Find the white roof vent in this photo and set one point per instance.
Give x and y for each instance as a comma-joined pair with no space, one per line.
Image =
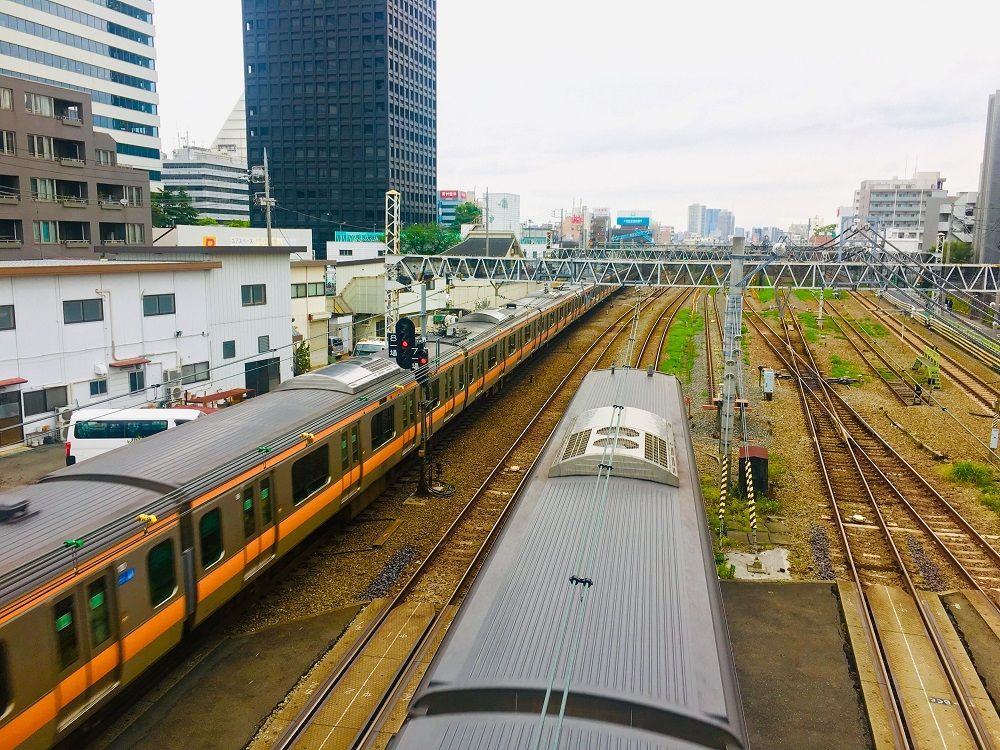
645,448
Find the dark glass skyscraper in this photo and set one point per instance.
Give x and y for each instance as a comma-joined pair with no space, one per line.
343,94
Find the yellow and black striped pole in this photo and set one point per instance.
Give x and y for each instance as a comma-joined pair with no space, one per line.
723,492
751,503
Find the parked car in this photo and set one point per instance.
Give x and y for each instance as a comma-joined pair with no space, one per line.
96,431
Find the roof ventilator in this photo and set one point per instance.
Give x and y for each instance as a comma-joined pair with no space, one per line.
644,450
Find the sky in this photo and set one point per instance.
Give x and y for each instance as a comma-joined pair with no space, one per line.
771,109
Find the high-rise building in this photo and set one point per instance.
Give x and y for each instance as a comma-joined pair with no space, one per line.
899,207
448,201
343,95
711,221
726,225
101,49
232,137
696,220
987,240
215,180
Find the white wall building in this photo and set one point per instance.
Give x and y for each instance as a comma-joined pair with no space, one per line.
900,206
344,250
216,182
103,48
504,211
311,314
232,137
190,235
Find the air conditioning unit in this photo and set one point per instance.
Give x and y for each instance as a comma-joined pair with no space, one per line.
171,376
63,416
176,393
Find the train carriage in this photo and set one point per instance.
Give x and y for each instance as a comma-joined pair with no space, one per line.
108,564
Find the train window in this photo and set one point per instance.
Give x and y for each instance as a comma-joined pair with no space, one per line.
448,384
266,513
6,694
492,358
383,427
309,473
162,575
461,376
249,519
511,345
210,531
97,611
69,649
355,446
345,455
435,392
413,408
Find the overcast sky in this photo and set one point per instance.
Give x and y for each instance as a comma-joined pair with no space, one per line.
770,108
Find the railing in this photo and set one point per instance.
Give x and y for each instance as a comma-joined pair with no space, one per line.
71,161
76,243
9,243
70,120
72,201
112,241
9,198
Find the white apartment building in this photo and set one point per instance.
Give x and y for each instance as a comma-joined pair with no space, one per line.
899,207
103,48
78,333
503,211
956,222
216,181
196,235
311,315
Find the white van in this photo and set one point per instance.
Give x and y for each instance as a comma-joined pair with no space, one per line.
96,431
369,346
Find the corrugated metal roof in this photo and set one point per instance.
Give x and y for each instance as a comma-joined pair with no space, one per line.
518,732
652,630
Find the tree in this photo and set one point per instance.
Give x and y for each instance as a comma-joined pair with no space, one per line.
427,239
827,230
301,359
467,213
206,221
238,223
172,207
957,251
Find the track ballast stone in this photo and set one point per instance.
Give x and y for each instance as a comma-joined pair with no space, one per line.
930,572
390,572
820,544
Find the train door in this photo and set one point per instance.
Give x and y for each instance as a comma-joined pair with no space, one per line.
449,394
350,460
258,526
87,654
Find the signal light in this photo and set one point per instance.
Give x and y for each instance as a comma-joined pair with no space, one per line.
423,360
405,338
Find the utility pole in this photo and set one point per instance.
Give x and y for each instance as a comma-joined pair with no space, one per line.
486,216
267,199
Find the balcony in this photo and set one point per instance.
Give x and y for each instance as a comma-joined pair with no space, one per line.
72,194
74,233
10,234
68,153
10,190
118,197
120,234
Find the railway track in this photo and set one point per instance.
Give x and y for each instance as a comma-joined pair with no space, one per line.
649,356
358,698
976,387
900,384
881,504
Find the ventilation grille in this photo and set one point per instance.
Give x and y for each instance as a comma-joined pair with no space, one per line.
658,452
622,442
622,432
577,444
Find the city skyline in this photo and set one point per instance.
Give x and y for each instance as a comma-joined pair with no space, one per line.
772,141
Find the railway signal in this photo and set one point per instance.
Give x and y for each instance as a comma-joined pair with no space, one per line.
403,343
423,360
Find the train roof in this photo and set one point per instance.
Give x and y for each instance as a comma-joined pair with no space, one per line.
518,732
653,641
98,500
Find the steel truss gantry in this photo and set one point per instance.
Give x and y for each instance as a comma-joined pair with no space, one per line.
664,271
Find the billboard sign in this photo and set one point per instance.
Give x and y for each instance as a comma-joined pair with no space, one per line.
452,195
601,213
633,221
358,237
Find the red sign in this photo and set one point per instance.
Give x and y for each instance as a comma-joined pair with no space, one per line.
451,195
577,219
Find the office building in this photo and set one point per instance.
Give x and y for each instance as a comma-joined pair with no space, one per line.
696,220
215,180
232,136
899,207
987,240
448,201
100,49
343,95
62,193
725,225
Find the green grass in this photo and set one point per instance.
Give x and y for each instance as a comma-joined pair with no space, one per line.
680,353
765,295
805,295
842,368
972,473
873,329
960,306
808,321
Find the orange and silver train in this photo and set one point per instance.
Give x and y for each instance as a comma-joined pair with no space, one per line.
105,566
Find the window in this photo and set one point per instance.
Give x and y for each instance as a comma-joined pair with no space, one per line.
46,232
345,455
98,387
228,349
263,344
298,291
195,373
6,102
7,142
43,189
6,324
210,534
310,473
158,304
69,648
118,429
162,575
97,612
254,294
491,361
82,310
105,158
137,381
47,399
317,290
383,426
133,194
40,146
135,234
5,691
249,522
37,104
511,345
266,513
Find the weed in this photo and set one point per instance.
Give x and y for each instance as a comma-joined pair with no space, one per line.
970,472
765,295
726,572
873,329
805,295
991,501
768,507
842,368
680,351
